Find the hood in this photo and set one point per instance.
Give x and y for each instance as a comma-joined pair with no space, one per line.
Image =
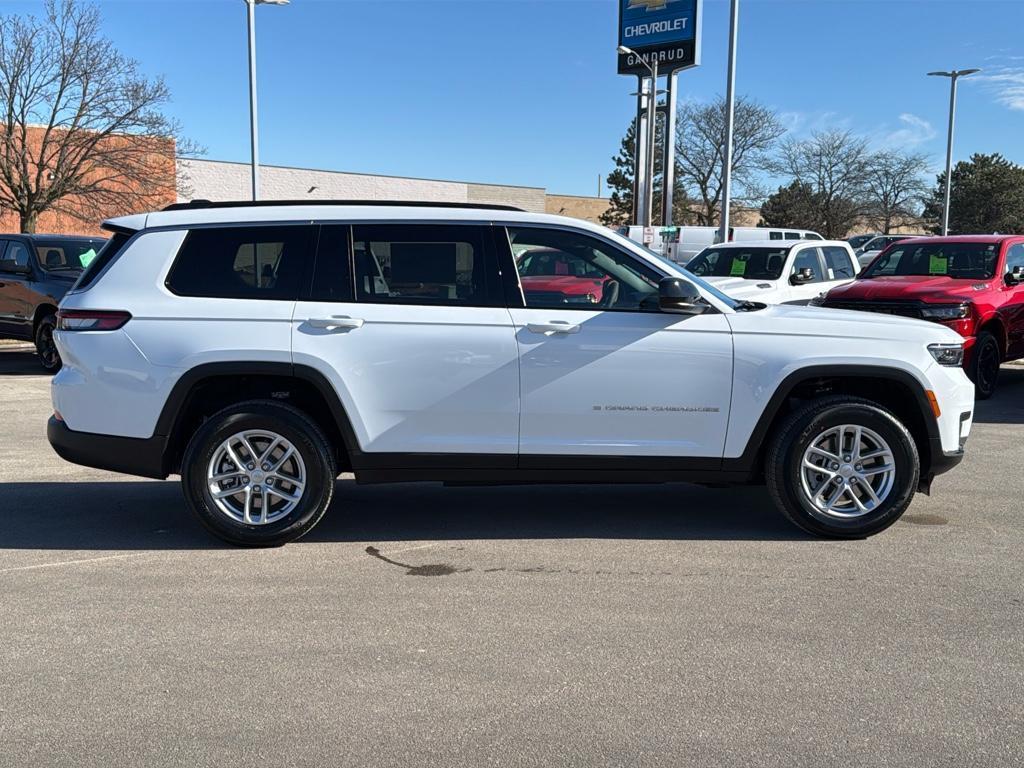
841,324
742,288
934,289
567,284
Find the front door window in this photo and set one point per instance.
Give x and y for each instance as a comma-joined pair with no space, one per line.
566,270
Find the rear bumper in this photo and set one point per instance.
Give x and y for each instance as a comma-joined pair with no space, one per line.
129,455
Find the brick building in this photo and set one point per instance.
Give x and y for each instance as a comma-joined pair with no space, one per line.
151,183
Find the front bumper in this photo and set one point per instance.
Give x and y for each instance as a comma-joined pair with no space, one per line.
129,455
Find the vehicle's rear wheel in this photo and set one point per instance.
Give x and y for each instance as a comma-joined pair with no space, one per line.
842,467
49,357
258,474
984,370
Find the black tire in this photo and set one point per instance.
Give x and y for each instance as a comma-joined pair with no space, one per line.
984,370
45,347
284,420
783,466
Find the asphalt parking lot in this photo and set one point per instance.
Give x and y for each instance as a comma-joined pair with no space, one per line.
421,625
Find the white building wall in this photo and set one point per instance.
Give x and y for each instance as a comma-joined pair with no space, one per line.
219,180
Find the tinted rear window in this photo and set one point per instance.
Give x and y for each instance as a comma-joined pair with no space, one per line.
110,251
242,262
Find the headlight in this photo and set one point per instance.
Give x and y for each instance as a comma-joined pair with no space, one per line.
951,355
946,312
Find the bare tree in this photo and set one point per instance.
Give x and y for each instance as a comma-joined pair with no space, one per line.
895,189
700,152
834,166
81,130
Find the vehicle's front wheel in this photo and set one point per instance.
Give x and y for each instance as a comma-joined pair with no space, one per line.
984,370
45,346
843,467
258,474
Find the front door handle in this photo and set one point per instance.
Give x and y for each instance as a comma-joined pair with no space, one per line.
554,326
338,322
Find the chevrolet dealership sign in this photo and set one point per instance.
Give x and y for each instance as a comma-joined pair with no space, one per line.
664,29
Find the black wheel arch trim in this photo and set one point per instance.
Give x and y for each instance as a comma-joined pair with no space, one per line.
749,459
170,416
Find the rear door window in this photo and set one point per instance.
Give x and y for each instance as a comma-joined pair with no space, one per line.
242,262
443,265
792,235
838,263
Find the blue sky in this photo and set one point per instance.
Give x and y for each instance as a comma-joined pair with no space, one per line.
525,91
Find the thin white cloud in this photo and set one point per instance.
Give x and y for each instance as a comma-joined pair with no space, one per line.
912,132
1006,84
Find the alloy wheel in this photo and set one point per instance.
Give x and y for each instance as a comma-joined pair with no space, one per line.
847,472
256,477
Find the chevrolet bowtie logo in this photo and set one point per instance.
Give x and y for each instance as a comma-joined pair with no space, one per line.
650,5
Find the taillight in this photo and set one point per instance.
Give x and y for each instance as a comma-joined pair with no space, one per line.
91,320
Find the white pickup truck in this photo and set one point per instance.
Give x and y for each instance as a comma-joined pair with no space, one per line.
791,272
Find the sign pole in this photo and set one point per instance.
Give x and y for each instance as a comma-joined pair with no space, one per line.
652,143
669,171
639,153
656,34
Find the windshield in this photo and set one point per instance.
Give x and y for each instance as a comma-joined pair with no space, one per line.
959,261
56,255
747,263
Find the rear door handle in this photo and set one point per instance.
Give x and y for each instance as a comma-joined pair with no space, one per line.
554,326
338,322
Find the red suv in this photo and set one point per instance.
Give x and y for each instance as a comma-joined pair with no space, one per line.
973,284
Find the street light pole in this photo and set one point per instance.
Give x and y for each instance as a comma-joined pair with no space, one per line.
250,9
730,111
953,76
652,116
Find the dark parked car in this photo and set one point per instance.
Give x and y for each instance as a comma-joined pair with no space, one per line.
35,273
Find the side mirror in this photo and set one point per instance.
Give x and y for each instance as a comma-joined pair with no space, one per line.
680,297
15,269
1015,276
804,276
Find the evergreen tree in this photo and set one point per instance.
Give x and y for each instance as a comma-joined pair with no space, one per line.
987,197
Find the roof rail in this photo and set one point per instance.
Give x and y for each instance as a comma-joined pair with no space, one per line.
199,204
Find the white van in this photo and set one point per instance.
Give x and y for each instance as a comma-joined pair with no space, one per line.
647,236
686,242
745,234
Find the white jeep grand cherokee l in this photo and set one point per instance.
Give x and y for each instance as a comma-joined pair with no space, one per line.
259,350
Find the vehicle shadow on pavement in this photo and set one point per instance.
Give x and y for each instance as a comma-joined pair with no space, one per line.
19,361
1007,405
151,515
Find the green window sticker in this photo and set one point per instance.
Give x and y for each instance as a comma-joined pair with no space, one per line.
738,268
938,264
87,257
